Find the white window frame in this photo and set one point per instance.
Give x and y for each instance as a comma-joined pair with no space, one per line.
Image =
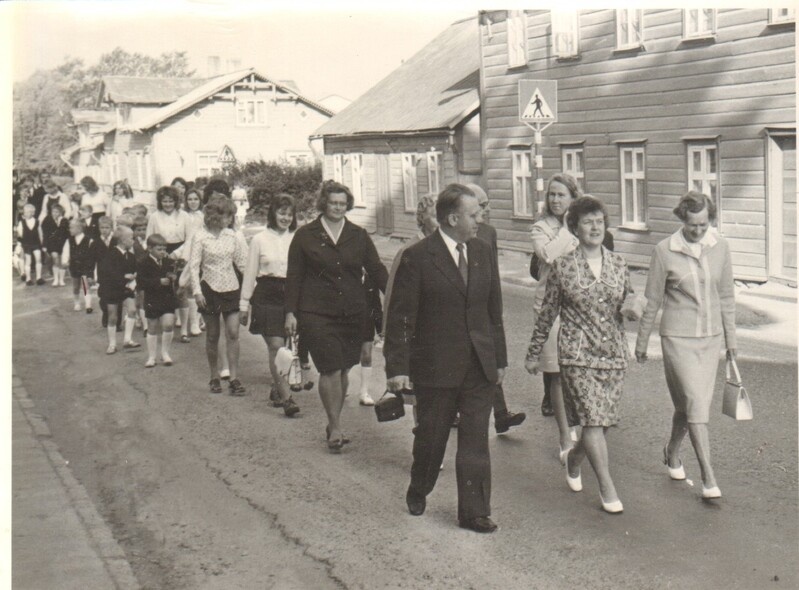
213,164
569,155
114,157
565,33
338,167
356,162
702,31
778,16
522,181
635,219
409,181
258,114
700,180
629,28
517,38
434,172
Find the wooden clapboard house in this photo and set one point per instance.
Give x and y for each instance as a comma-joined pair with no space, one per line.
411,134
165,128
651,103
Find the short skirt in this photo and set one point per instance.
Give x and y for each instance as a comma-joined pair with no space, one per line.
333,341
225,302
268,305
591,396
691,365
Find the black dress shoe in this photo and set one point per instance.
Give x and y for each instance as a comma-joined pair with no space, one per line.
503,422
546,406
478,524
416,505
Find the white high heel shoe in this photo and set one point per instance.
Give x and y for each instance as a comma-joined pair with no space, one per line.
711,493
611,507
675,473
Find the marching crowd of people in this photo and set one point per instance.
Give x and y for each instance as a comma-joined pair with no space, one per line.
314,288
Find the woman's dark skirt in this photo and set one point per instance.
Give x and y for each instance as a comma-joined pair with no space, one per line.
268,304
333,341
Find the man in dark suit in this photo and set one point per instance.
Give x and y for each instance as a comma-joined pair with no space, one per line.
503,418
445,339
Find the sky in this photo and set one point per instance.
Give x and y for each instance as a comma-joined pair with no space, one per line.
342,51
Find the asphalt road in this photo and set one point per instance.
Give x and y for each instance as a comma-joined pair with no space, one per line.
209,491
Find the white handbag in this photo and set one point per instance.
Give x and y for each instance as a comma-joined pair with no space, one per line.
736,403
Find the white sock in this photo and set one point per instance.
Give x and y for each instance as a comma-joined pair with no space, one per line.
152,346
143,319
183,314
166,341
38,270
88,299
130,323
366,375
62,273
112,335
194,317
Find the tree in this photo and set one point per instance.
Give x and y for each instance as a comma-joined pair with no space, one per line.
42,103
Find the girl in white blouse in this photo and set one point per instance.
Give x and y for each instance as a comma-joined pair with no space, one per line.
264,284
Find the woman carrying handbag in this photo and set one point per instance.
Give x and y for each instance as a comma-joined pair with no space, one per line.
690,275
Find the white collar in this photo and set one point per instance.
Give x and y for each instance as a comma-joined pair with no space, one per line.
121,249
330,231
678,243
452,246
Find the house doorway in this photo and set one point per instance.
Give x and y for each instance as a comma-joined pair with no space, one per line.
782,205
384,207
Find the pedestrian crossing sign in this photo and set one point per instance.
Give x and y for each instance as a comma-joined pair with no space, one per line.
538,101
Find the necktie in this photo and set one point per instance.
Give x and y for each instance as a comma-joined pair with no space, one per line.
463,268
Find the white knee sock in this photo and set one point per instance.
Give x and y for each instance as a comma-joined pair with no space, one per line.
152,346
166,341
88,299
130,323
112,335
194,317
366,375
38,270
143,319
183,314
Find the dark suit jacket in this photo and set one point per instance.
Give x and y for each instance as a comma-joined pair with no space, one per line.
434,321
326,278
489,235
148,278
111,273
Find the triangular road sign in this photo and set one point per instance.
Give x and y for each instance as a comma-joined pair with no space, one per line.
537,108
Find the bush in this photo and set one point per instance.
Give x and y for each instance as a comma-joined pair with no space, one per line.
266,179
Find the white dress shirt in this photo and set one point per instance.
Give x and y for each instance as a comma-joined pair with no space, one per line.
452,246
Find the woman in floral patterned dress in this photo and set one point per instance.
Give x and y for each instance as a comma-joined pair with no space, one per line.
587,287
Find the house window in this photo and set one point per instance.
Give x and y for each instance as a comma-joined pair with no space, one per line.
338,167
250,112
357,179
517,38
572,162
703,169
632,158
434,172
781,15
114,166
565,33
208,164
409,185
629,28
522,183
699,23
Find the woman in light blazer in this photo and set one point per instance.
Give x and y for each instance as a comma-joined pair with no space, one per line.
690,275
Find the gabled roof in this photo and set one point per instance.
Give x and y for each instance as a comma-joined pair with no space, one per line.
435,89
136,90
208,89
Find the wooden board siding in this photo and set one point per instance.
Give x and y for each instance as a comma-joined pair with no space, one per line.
470,156
727,90
210,125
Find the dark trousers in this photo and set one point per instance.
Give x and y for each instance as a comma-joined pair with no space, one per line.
500,407
436,408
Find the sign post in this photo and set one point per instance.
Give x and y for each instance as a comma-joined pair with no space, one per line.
538,109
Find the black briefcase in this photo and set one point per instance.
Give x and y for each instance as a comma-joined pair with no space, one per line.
389,407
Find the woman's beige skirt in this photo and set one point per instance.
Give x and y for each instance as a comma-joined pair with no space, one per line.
691,365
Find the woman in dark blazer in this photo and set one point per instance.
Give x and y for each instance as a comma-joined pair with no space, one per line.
325,295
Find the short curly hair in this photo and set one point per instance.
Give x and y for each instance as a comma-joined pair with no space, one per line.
423,206
216,208
582,206
166,192
330,187
89,184
695,202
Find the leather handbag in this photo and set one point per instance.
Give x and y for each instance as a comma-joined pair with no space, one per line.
288,364
736,403
389,408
